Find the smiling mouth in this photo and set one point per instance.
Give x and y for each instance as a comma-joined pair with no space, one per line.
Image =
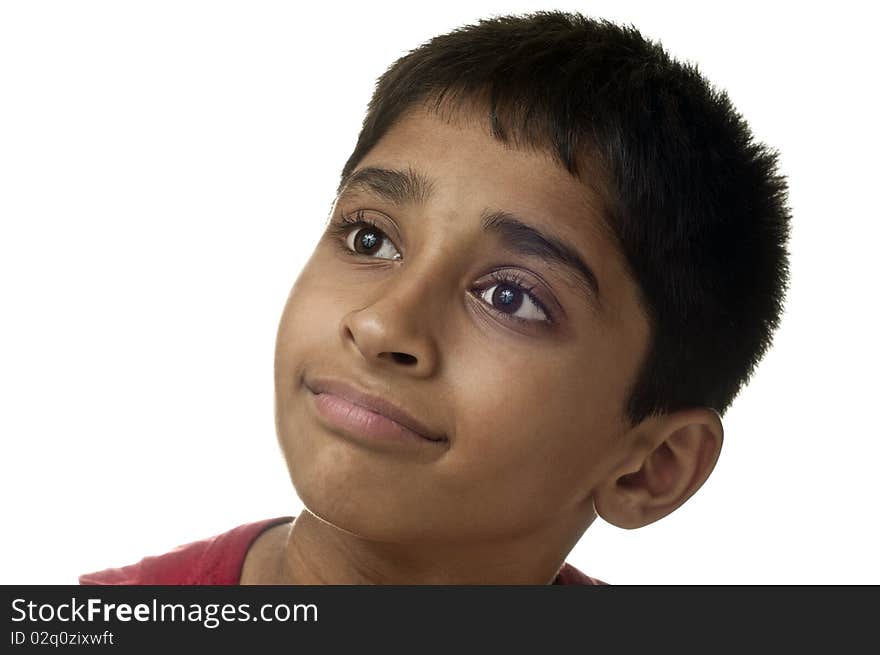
347,409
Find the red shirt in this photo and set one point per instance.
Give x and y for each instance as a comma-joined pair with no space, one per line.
219,560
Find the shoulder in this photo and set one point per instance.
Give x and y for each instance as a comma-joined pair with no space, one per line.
216,560
569,575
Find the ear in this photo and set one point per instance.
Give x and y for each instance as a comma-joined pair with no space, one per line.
667,458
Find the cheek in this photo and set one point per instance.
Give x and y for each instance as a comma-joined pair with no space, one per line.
309,321
307,327
529,438
529,444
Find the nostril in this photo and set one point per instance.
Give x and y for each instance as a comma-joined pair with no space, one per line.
403,358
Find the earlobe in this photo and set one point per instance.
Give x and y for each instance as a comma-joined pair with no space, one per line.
669,458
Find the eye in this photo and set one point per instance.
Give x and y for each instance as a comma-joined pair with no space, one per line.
512,297
363,237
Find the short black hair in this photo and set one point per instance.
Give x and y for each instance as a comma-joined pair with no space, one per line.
697,207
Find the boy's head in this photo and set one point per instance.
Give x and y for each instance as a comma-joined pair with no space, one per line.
562,253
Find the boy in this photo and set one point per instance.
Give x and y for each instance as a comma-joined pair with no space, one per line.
555,257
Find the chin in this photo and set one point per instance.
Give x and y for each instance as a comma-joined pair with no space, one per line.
341,499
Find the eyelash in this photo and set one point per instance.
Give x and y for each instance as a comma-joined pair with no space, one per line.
343,226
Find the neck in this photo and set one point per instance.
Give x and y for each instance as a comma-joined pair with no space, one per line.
318,553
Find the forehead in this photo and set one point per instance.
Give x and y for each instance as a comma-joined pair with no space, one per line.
464,156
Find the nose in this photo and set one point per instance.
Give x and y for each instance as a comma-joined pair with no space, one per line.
398,329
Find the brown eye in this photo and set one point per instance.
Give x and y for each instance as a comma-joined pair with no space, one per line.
368,240
506,298
511,296
514,302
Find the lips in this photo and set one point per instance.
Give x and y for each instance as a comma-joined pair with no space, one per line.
373,403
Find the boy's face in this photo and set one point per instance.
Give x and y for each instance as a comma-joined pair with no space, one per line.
532,412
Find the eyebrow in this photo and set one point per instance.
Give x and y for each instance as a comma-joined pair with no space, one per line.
398,187
411,187
524,239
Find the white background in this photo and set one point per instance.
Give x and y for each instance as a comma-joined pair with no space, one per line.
165,169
